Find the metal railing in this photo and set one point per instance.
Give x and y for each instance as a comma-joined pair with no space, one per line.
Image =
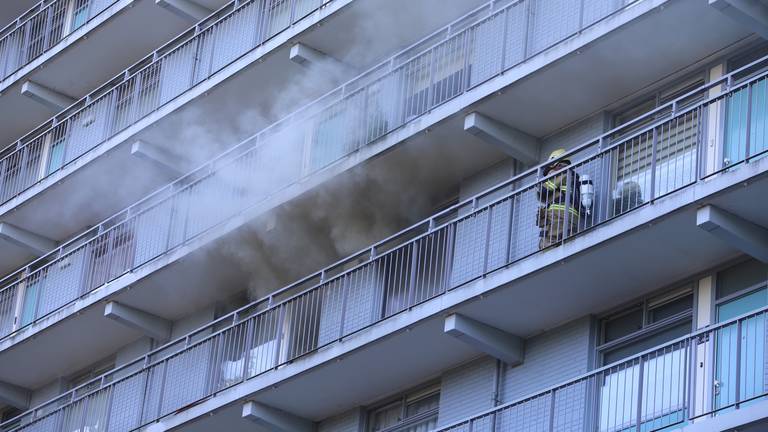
654,155
708,372
360,112
42,27
178,66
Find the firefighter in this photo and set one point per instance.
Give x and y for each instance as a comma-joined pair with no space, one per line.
554,194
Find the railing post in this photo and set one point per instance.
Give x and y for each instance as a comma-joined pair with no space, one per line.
279,333
48,27
639,414
143,402
487,241
654,146
504,37
527,29
293,12
414,269
693,346
108,405
551,420
161,388
749,124
344,298
569,191
250,327
737,389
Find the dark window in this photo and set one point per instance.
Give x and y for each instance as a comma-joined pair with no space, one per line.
648,323
413,412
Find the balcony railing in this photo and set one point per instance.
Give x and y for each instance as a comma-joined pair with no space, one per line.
42,27
191,58
453,60
709,372
652,156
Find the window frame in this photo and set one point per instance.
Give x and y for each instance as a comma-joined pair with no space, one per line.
648,329
405,399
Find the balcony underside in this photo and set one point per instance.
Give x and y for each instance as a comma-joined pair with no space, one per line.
78,65
234,105
515,299
12,10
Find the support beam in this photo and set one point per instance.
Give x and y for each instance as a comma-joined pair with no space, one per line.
151,325
187,9
35,243
177,165
737,232
516,144
308,56
490,340
275,420
53,100
14,396
752,14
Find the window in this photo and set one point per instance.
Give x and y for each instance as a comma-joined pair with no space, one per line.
648,323
640,327
676,141
79,14
741,289
741,105
413,412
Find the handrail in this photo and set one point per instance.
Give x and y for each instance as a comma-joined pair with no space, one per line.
447,234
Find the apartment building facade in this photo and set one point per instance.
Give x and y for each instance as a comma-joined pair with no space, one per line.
328,215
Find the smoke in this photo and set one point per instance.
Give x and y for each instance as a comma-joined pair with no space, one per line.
352,211
355,209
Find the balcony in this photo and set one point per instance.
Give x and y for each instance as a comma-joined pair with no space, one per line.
202,78
42,53
482,258
664,388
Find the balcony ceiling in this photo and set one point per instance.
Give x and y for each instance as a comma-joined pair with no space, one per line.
12,10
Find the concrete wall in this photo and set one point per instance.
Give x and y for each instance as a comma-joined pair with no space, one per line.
467,390
550,358
575,134
350,421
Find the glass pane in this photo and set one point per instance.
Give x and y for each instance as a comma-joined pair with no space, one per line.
737,117
422,405
742,305
649,342
624,325
740,277
56,158
748,368
662,402
670,309
386,417
30,302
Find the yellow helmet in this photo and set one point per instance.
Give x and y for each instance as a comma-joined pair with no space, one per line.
557,153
